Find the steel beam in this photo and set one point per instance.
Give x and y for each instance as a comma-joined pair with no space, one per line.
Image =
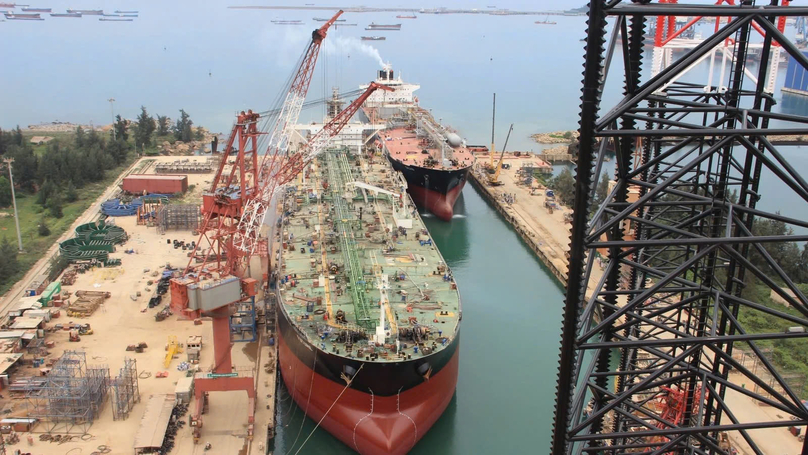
671,309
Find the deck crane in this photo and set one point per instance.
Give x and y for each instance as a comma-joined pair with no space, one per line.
493,180
216,280
225,290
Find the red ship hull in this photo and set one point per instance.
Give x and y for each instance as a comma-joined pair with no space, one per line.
441,205
369,424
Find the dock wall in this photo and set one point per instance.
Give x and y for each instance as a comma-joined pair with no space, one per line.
532,238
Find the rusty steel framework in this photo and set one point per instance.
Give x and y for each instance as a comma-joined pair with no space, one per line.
646,361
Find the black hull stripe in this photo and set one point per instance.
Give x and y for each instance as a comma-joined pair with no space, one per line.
384,378
431,179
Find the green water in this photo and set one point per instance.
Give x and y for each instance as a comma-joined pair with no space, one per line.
508,350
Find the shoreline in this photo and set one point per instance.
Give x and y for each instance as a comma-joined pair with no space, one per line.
551,253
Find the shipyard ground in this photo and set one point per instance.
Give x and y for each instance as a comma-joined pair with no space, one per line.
548,235
121,321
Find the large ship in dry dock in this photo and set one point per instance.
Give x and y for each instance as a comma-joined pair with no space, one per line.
369,313
432,157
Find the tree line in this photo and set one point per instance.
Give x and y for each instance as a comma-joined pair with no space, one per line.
65,166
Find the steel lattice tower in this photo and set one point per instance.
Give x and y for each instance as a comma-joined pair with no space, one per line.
656,347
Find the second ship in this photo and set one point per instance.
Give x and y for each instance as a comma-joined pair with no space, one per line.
432,157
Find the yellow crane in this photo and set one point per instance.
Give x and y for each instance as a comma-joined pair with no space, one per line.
493,180
172,349
493,123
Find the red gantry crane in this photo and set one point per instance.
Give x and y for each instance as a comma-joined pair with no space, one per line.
216,277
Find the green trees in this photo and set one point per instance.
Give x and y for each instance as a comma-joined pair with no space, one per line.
183,130
71,195
43,228
564,186
144,130
55,205
9,265
162,125
121,128
5,192
199,133
25,165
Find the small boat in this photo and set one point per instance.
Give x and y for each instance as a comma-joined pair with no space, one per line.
125,12
65,14
406,17
374,38
8,5
87,12
546,21
36,10
110,19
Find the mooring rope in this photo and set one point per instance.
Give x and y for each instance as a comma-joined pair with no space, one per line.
329,408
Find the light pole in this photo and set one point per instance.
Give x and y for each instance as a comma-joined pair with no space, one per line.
8,162
112,112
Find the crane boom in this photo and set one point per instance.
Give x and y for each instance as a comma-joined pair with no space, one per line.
286,169
494,180
281,132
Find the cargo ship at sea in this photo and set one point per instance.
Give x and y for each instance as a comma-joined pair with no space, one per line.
87,12
373,38
374,26
368,311
432,157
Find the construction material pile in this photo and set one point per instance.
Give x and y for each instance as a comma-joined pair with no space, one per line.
69,277
86,303
94,241
115,207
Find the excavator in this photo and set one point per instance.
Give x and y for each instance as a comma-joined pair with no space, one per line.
493,179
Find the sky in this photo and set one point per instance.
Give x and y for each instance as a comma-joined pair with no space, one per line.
197,55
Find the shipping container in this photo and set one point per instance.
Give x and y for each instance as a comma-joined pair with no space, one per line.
796,77
155,183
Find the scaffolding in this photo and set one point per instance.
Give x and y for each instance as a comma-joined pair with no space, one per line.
178,216
661,322
71,396
243,321
125,390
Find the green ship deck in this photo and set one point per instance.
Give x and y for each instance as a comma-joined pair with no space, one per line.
360,275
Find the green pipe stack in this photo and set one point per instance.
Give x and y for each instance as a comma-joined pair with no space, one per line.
93,240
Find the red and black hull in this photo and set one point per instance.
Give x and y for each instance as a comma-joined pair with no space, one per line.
433,189
388,406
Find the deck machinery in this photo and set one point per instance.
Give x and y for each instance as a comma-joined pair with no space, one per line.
656,344
217,279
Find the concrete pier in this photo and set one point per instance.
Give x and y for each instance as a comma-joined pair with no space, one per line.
545,233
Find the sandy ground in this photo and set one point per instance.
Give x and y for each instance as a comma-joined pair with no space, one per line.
122,321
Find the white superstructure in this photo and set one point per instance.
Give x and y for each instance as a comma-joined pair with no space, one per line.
403,94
